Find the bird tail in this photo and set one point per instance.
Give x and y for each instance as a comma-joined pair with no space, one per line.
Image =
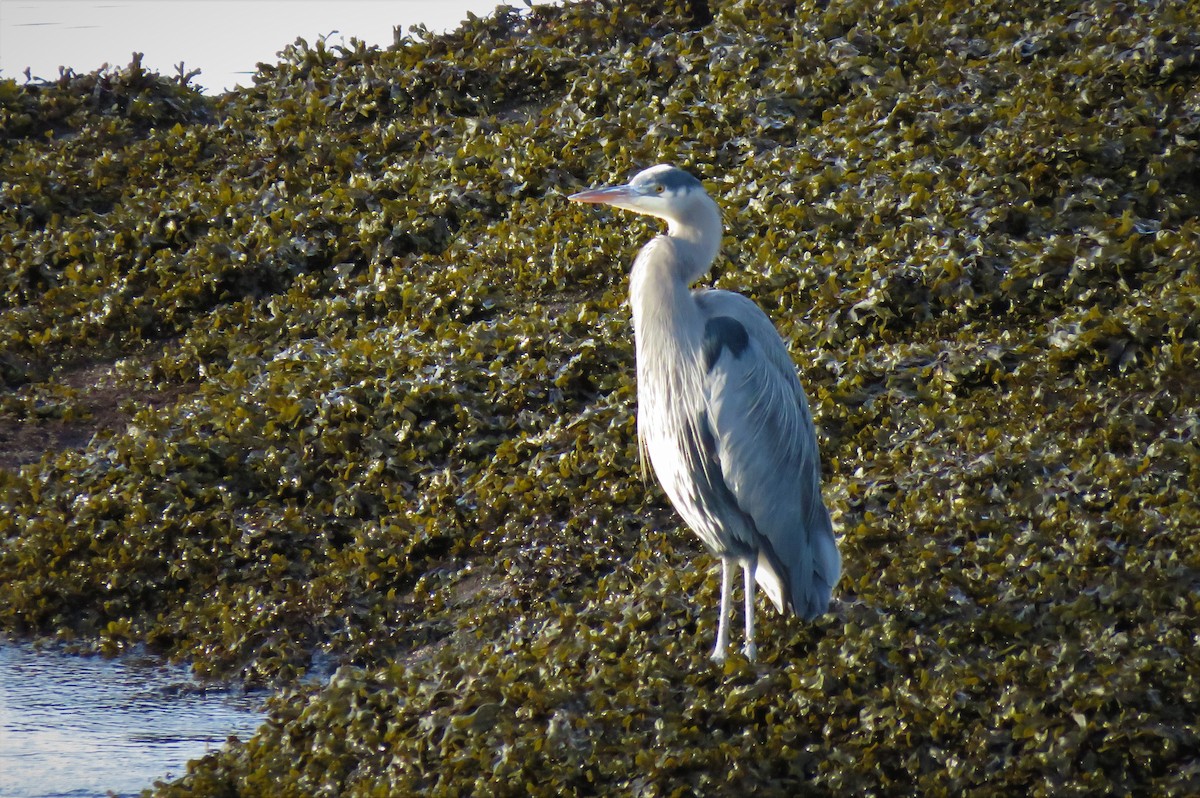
814,590
807,589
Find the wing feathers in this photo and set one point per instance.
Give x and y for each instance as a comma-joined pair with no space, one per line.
723,333
759,424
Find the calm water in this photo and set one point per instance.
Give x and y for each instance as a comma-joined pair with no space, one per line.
222,38
84,726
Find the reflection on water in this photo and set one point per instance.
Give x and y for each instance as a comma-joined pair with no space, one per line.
84,726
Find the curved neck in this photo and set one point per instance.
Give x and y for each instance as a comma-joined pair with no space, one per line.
697,240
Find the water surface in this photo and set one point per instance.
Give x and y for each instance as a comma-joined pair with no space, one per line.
83,726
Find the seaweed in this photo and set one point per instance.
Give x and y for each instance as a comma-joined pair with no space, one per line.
335,383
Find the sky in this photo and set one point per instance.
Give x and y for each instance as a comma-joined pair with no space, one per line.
222,38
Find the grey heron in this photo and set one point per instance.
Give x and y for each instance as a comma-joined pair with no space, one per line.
721,412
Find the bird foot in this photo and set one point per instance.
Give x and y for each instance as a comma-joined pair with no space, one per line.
749,650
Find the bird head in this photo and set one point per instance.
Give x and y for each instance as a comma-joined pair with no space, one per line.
662,191
693,219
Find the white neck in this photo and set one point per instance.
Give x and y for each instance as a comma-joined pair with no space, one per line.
699,241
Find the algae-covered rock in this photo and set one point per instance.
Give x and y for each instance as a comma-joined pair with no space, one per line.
357,388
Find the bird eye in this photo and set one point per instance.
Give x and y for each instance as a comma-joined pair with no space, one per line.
660,188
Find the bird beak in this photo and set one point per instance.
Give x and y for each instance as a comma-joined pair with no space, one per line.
608,195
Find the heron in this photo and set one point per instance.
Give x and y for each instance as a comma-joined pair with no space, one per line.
721,413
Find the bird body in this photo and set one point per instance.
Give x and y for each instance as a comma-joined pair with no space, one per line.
721,412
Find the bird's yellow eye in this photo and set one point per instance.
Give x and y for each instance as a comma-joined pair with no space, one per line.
660,188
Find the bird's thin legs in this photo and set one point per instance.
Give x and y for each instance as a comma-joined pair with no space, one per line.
718,654
750,649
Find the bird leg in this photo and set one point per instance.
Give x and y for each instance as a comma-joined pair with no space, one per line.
718,654
748,569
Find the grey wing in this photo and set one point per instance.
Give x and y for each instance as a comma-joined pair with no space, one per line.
766,447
